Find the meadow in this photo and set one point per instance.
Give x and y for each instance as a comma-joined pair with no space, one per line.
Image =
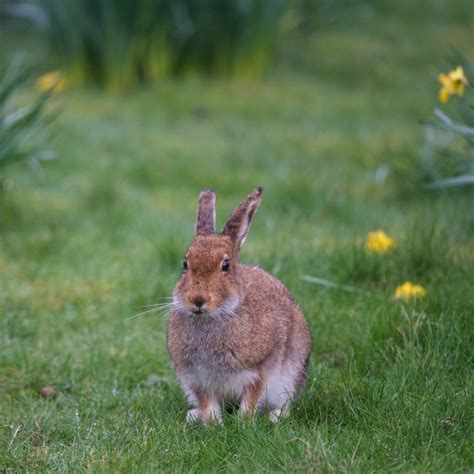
99,233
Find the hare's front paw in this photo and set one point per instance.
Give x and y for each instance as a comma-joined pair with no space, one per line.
194,415
213,416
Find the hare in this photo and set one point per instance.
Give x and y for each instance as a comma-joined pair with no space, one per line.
235,334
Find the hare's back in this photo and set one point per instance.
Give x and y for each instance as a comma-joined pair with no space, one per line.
264,289
268,300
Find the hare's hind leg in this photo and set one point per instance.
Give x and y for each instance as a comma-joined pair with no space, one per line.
277,413
289,377
281,388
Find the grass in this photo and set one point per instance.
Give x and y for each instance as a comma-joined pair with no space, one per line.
101,232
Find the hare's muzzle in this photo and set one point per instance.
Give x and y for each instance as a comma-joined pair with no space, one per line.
198,305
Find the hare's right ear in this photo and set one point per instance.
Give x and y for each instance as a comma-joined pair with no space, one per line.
237,227
206,213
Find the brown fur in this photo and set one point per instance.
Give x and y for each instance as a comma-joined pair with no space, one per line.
249,327
251,394
206,217
204,276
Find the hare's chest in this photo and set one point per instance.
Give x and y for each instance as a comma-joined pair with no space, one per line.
210,359
211,365
206,348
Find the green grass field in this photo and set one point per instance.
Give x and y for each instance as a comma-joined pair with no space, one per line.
101,232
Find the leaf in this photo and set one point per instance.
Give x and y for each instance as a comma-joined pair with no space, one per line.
328,283
452,182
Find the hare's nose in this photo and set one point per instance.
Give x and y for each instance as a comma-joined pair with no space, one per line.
198,302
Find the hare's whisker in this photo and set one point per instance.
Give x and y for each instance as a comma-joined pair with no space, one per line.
232,314
155,304
152,310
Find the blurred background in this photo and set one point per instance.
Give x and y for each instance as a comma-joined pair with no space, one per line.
356,116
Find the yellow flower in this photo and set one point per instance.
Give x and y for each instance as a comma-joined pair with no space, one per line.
452,83
51,80
409,290
378,242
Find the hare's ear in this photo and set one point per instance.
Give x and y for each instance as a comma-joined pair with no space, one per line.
206,213
237,227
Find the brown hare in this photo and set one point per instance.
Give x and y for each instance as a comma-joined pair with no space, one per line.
235,334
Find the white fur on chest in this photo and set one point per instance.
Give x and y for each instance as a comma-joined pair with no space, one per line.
228,385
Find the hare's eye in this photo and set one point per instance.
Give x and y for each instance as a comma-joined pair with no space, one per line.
225,265
185,263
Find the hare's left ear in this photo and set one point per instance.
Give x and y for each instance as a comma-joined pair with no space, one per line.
206,213
237,227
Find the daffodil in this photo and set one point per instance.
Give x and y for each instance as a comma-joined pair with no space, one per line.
452,83
408,291
378,242
51,80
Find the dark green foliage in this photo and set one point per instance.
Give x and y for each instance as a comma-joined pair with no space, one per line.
20,126
119,44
